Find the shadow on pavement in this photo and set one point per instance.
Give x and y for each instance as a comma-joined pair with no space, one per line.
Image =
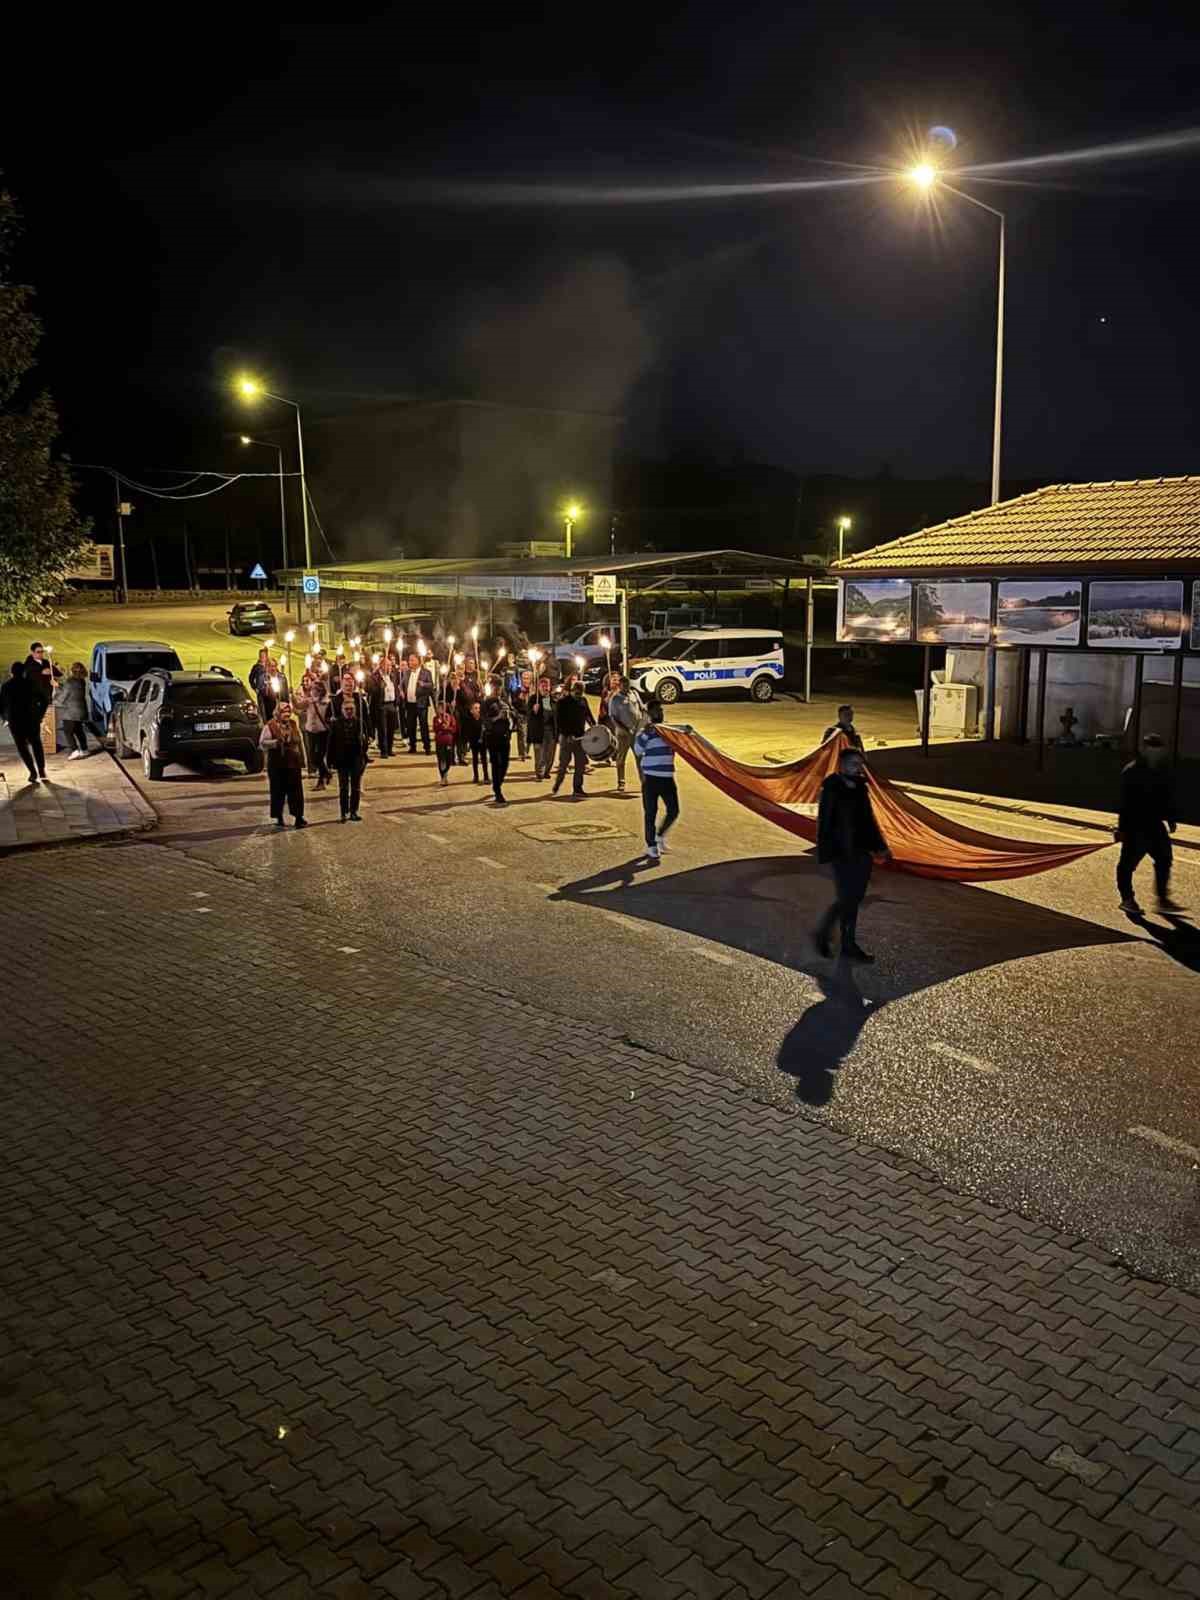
923,932
1180,939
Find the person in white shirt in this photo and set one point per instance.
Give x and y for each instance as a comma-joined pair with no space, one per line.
417,689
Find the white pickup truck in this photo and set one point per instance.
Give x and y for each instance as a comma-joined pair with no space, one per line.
585,641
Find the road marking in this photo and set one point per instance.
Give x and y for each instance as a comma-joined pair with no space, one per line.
632,925
712,955
550,888
200,909
348,950
488,862
438,838
199,894
1177,1147
976,1062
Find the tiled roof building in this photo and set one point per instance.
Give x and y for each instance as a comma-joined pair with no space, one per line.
1149,524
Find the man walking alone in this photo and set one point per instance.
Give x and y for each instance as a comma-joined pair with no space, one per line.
1145,823
848,838
656,760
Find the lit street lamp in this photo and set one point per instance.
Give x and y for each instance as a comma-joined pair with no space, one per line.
251,389
571,515
925,177
843,528
278,449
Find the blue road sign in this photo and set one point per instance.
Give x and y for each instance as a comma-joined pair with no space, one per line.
257,572
312,583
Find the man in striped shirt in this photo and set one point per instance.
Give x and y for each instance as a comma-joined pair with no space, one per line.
656,760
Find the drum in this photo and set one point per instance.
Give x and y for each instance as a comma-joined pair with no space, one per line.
598,743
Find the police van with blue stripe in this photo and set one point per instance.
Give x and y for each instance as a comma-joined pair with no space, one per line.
712,657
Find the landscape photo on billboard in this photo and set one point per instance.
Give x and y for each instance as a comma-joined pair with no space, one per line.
1044,611
876,608
954,612
1135,614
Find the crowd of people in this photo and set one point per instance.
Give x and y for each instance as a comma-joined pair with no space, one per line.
31,688
346,713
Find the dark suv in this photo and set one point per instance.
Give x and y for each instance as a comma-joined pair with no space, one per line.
251,616
187,716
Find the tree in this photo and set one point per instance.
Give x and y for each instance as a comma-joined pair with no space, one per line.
41,535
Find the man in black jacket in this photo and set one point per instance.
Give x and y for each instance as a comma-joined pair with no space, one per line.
574,718
848,837
1145,823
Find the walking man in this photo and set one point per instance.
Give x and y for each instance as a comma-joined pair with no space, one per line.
627,713
574,719
388,707
543,730
348,752
656,762
848,838
844,724
497,733
18,707
418,692
1145,823
285,764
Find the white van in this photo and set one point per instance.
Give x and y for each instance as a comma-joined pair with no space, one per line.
712,658
118,664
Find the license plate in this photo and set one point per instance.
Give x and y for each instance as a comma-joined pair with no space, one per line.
212,727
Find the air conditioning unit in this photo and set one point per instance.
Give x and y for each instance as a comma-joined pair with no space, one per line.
953,710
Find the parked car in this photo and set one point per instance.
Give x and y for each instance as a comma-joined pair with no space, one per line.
118,664
251,616
187,716
712,658
585,641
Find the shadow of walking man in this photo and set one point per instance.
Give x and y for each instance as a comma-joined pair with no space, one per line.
825,1035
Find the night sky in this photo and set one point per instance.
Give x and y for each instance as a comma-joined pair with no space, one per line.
305,201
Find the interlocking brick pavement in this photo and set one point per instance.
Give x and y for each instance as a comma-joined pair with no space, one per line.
382,1284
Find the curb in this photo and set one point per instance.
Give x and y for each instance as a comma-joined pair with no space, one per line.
148,823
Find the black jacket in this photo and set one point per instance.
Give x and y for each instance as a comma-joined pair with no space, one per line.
541,717
846,826
574,717
347,737
17,705
1147,797
498,730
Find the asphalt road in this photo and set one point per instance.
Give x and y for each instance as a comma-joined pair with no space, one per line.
1024,1041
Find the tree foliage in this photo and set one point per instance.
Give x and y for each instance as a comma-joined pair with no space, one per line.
41,535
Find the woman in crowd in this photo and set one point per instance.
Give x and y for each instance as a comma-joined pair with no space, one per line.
520,689
314,722
348,749
71,699
282,741
445,738
543,730
466,693
475,741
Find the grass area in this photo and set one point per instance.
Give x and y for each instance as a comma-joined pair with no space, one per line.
198,632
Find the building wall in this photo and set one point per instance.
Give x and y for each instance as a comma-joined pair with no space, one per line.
1098,688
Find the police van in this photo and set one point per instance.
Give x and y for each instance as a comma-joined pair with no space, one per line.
712,657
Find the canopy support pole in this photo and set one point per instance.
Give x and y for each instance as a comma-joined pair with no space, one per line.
808,640
1176,706
926,700
1043,654
989,693
1023,707
1135,721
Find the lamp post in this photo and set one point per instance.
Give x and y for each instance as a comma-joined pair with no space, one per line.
843,528
925,177
571,514
251,389
278,449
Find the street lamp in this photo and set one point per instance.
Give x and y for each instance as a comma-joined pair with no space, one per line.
843,528
571,514
251,389
925,177
278,449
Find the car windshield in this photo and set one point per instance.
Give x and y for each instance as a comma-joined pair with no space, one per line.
207,694
255,611
677,649
123,666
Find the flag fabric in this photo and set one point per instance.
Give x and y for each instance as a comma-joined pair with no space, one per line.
922,841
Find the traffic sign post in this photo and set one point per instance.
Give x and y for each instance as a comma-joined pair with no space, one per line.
604,588
258,574
311,584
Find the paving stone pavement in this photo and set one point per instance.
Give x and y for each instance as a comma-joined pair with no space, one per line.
83,800
376,1284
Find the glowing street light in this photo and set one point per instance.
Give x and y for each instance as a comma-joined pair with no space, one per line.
572,512
251,389
923,175
843,528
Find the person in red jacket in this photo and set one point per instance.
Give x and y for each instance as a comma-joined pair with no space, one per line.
445,738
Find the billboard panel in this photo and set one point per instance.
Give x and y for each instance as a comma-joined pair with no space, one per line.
1135,614
1039,611
954,611
878,609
